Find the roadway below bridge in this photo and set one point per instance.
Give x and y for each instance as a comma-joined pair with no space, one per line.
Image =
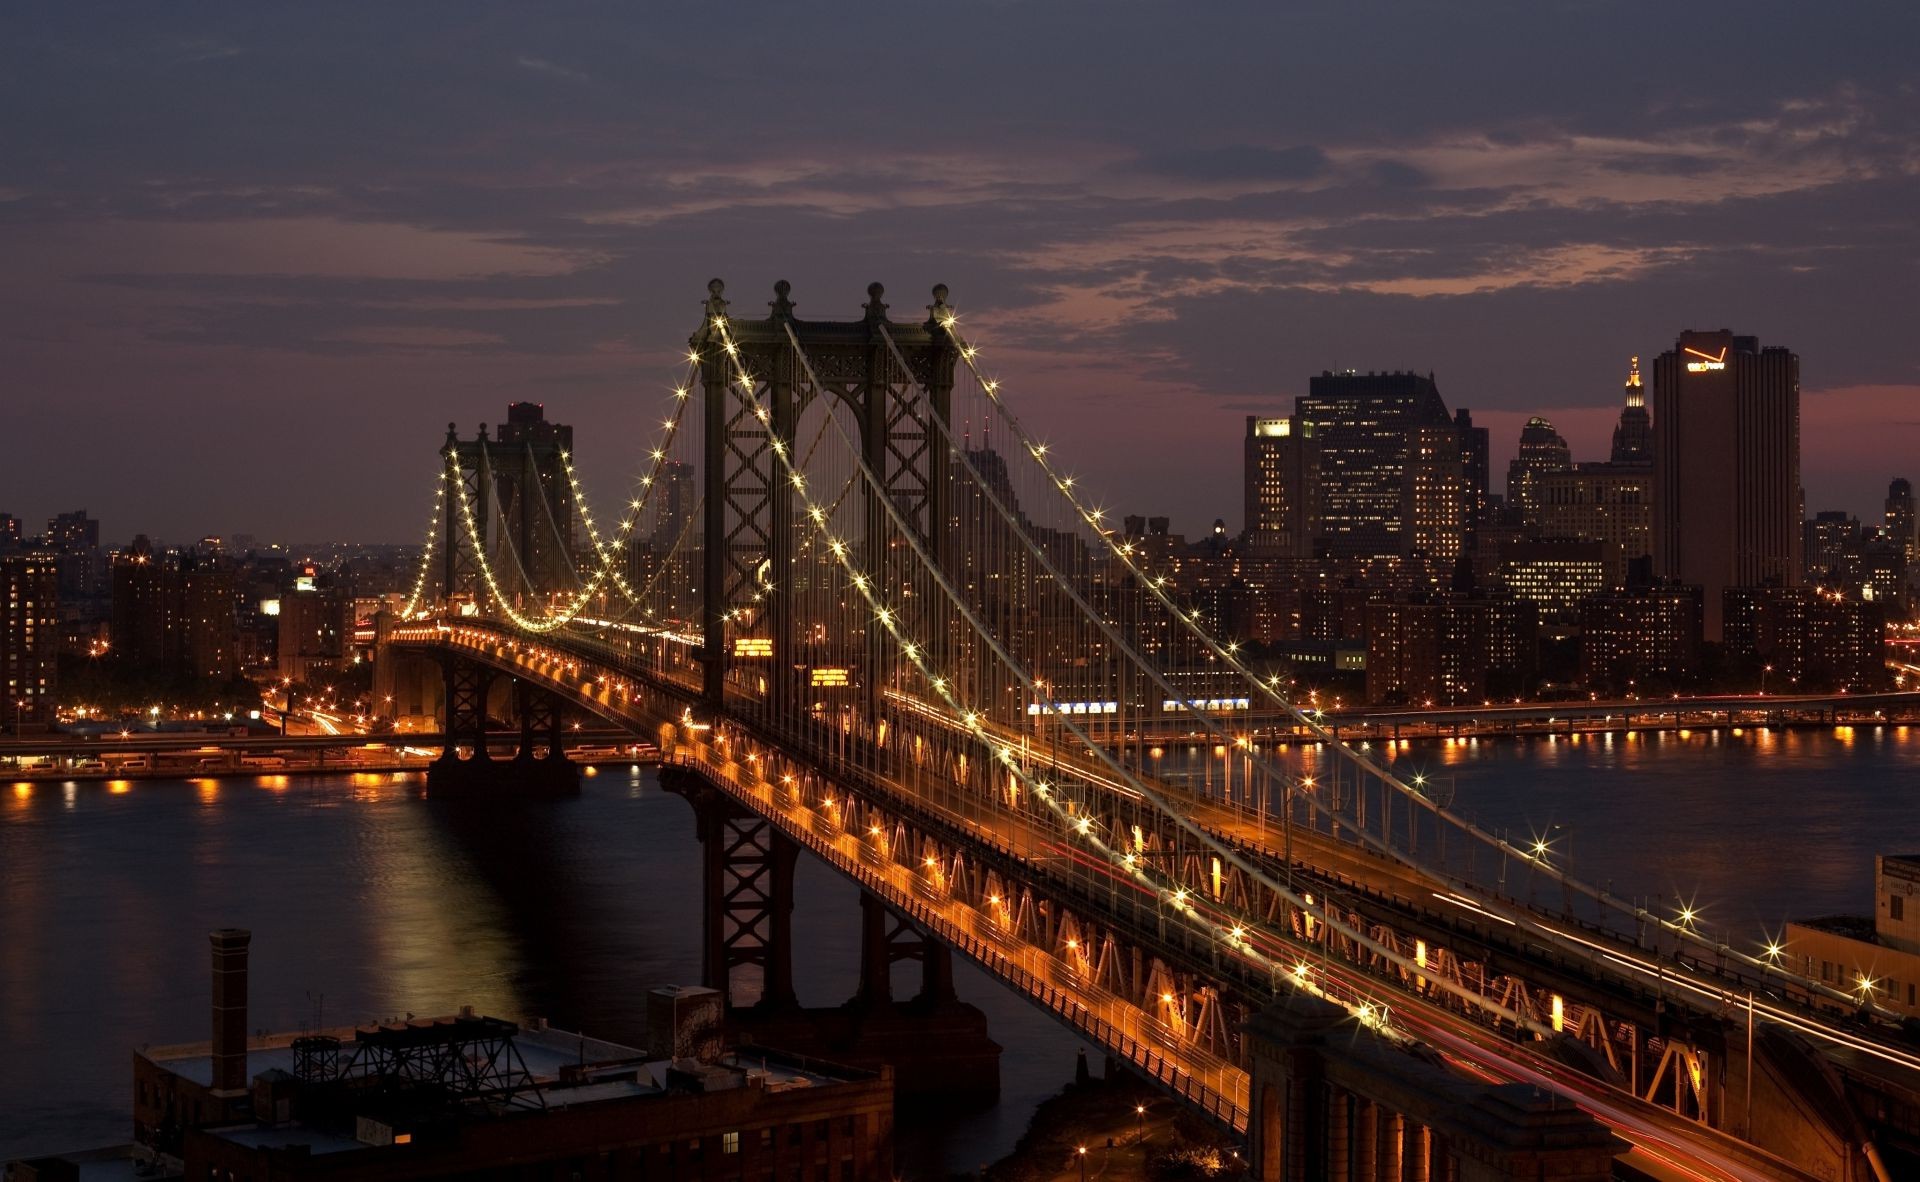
144,754
1666,1144
1621,714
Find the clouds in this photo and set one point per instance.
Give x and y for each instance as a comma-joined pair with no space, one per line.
430,205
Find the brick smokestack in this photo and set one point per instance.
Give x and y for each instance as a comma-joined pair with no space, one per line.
230,1010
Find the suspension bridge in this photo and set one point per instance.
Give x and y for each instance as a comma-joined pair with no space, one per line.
863,611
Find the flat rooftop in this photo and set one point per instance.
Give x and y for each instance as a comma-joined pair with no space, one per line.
568,1069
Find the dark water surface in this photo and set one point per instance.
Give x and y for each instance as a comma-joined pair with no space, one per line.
373,902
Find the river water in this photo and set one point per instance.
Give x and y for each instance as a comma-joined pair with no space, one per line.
369,902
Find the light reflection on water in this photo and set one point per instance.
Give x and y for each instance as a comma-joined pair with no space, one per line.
370,902
367,902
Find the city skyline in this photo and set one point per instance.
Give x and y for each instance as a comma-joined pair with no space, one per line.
232,229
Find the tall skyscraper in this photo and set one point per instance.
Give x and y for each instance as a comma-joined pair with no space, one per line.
1633,435
76,538
9,530
536,498
1542,450
29,638
1726,421
143,609
1363,424
1282,477
1474,466
1825,541
1900,517
1434,495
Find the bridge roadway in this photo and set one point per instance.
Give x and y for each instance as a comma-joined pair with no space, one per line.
1665,1143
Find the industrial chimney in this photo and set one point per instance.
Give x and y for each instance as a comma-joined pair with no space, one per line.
230,1010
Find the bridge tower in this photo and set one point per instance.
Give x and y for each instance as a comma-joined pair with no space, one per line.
464,468
748,576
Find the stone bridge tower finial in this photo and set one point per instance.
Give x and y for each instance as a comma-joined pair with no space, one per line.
716,306
781,305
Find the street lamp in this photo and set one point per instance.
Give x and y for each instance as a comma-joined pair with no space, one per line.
1763,679
1082,1151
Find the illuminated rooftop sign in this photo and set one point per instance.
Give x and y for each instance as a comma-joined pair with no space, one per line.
1706,361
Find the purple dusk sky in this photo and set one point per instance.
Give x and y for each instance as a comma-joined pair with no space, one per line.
256,257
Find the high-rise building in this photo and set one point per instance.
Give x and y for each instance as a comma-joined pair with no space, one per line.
1726,420
1542,450
673,493
316,623
1474,467
9,531
1610,503
1555,575
1807,640
1901,524
29,638
1633,435
529,459
1435,498
75,537
210,632
1362,424
1448,651
143,609
1640,639
1826,539
1282,478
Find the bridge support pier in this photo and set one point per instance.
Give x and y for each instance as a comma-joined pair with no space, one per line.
746,896
937,1045
466,768
886,939
1333,1100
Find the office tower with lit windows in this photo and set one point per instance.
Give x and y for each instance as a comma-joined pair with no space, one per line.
1901,524
529,460
1435,500
1609,502
29,638
1542,450
1726,422
1282,477
1475,447
1363,425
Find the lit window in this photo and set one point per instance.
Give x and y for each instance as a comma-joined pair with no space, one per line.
730,1142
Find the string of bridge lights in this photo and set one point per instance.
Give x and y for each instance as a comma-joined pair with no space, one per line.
1129,864
1682,926
1167,808
608,553
427,549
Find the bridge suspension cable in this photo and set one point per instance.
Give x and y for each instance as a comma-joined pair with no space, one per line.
1074,820
428,548
607,555
1534,861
